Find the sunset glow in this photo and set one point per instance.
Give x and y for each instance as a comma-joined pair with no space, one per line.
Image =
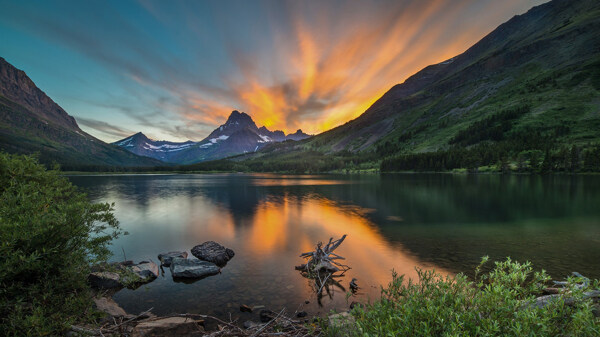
176,70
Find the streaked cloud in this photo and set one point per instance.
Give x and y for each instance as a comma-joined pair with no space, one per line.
104,127
178,68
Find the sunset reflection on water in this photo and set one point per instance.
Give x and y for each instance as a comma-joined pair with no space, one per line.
399,222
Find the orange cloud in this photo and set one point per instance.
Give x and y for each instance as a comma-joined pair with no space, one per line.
329,82
324,66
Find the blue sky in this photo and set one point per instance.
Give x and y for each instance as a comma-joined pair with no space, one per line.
175,69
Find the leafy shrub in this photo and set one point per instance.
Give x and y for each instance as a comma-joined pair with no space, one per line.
496,304
49,235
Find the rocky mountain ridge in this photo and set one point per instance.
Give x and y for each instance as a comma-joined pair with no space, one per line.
239,134
31,122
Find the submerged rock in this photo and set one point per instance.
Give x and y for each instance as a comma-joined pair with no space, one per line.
184,268
266,315
166,258
213,252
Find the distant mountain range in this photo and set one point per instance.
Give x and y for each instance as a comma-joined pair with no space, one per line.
238,135
31,122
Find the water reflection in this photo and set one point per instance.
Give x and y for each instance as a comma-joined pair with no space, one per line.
393,222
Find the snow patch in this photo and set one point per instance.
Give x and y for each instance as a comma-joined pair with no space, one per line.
215,140
167,147
126,142
265,139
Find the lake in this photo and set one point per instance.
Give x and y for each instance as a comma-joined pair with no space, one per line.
397,221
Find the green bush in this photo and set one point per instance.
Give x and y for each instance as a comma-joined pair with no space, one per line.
496,304
49,235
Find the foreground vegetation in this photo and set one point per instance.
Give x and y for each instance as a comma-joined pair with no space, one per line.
498,303
49,235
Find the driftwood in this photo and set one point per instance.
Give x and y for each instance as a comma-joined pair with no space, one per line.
323,267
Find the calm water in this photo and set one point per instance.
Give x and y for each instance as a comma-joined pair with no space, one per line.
441,221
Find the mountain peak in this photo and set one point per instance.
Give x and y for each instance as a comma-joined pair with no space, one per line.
19,88
239,117
299,135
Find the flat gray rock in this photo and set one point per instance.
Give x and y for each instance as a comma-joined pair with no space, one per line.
192,268
213,252
146,270
166,258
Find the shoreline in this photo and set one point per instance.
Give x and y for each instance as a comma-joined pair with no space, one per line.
366,173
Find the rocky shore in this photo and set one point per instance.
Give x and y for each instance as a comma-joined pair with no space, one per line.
108,278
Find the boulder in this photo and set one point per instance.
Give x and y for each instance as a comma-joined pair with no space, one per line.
545,300
213,252
120,274
146,270
168,326
192,268
166,258
105,280
110,307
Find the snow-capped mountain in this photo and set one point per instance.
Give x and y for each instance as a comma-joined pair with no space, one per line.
144,146
239,134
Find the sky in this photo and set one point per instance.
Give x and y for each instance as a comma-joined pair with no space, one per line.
176,69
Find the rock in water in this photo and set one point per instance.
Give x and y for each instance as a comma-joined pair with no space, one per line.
266,315
213,252
184,268
146,270
166,258
121,274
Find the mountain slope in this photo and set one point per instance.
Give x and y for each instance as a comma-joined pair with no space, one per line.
531,84
31,122
239,134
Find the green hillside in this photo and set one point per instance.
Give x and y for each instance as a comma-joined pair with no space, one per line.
528,91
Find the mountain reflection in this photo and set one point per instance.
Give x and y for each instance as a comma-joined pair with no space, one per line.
399,222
